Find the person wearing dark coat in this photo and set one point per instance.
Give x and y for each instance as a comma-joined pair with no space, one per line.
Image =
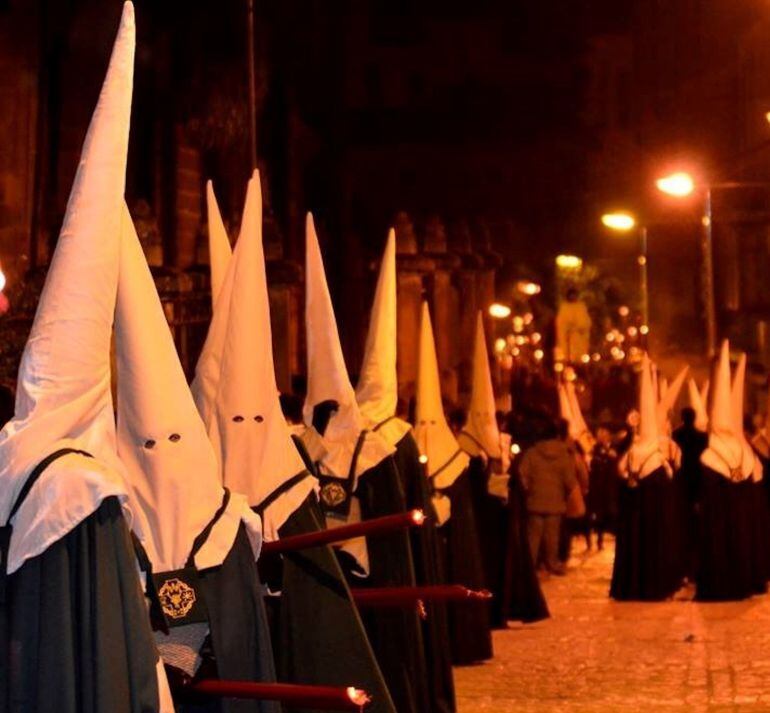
602,505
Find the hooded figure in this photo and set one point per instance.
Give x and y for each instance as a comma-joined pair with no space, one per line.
647,557
73,621
446,466
521,598
198,539
730,563
359,480
220,251
377,396
259,458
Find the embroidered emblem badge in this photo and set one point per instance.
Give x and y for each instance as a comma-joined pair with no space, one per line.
177,598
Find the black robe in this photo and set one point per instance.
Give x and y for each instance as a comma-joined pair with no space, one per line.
726,567
238,646
602,500
318,635
492,522
523,598
469,626
79,638
645,566
692,443
395,633
429,570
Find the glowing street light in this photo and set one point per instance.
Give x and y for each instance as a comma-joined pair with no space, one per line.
621,222
2,280
679,184
528,288
569,262
499,311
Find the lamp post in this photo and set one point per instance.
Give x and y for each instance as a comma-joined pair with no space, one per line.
681,185
622,222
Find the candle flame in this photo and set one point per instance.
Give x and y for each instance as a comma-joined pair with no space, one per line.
418,517
357,696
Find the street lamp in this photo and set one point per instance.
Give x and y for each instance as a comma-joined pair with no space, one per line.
499,311
569,262
622,222
530,289
681,185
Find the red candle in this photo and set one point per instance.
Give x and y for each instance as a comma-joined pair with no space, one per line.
376,526
408,596
323,697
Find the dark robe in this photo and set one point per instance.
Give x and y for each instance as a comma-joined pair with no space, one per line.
238,646
429,570
318,634
469,626
602,500
79,638
492,522
644,567
395,633
523,598
725,566
692,443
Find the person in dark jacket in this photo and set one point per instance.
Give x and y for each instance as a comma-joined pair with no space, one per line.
548,475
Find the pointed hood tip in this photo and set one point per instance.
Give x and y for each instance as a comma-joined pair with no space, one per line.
327,375
434,437
482,418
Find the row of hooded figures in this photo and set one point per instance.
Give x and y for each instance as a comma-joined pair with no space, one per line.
692,503
173,547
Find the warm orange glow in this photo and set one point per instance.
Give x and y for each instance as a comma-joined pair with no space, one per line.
499,311
418,517
500,345
423,459
644,329
621,221
515,449
623,311
569,262
528,288
539,354
2,280
678,184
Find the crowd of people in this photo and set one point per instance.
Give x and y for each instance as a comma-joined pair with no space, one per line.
222,547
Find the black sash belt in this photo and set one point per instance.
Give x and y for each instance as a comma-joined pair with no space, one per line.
280,490
336,493
176,597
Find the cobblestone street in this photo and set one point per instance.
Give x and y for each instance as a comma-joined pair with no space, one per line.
598,655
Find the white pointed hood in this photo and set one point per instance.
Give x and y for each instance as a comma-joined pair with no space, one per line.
578,427
220,251
248,429
377,388
668,399
63,394
698,405
446,461
481,425
725,452
327,377
172,469
208,369
750,461
645,455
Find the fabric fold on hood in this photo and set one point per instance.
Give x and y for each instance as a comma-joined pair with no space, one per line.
63,396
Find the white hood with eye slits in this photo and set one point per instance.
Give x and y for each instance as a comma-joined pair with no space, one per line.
246,425
172,468
63,394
